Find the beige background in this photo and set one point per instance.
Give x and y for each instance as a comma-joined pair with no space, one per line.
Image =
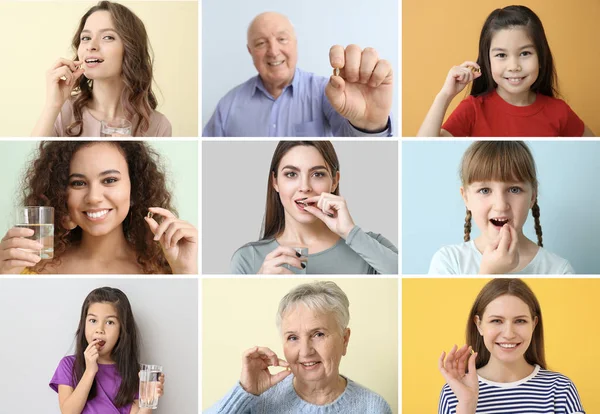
35,34
238,314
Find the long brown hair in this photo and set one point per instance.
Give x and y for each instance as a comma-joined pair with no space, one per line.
138,99
500,161
274,220
492,290
46,183
126,352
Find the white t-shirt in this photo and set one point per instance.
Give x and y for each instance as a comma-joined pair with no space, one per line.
465,259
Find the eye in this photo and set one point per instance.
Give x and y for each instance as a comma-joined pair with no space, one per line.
484,191
521,321
108,37
84,38
526,53
110,322
319,174
319,334
292,338
496,321
290,174
283,40
501,55
110,180
92,320
515,190
77,183
259,44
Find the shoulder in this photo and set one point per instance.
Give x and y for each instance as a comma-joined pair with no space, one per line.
551,263
243,89
246,258
448,259
551,377
358,395
67,362
159,125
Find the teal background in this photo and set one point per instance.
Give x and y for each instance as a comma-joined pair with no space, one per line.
433,212
180,159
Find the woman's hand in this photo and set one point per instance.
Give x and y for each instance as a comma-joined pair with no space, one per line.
255,377
60,81
464,385
13,257
273,262
458,78
178,239
333,211
91,356
501,256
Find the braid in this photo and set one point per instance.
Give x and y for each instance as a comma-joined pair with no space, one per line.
468,226
535,212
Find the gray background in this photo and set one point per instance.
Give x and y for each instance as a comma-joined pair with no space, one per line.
433,212
234,185
319,25
39,319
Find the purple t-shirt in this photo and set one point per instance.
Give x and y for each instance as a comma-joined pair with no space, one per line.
107,386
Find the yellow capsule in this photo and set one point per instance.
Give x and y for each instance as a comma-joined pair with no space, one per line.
336,72
150,214
475,70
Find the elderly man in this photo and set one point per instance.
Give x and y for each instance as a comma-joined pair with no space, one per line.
286,101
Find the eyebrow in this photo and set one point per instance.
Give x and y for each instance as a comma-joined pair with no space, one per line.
317,167
312,330
499,49
109,316
100,31
502,317
107,172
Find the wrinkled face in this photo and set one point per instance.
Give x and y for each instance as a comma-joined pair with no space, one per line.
272,44
507,328
98,195
102,322
101,47
302,173
495,203
313,344
514,61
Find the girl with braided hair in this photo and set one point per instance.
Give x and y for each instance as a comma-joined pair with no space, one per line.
499,187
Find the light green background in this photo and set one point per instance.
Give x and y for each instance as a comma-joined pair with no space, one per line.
180,160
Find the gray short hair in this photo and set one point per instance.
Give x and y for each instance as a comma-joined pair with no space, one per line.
326,297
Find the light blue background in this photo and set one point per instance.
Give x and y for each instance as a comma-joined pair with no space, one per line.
433,211
319,25
179,158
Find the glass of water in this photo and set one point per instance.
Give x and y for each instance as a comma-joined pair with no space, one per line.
41,221
149,380
118,127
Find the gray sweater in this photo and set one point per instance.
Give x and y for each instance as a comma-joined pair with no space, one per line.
282,399
360,253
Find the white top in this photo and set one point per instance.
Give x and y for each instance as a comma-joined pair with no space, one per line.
542,391
465,259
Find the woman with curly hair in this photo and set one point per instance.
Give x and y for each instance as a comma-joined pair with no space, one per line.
105,195
112,52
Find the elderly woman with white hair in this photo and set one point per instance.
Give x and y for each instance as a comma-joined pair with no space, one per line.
313,321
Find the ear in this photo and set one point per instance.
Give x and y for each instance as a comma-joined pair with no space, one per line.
336,181
533,198
463,194
67,223
274,182
477,322
248,47
346,340
535,322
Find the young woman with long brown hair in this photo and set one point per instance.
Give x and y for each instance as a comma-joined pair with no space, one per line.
305,209
109,77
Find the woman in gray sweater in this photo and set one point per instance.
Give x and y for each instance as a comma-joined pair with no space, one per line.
313,321
306,213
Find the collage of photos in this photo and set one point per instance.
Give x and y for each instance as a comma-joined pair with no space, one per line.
267,207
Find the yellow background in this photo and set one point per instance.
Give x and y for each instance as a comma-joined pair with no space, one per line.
439,34
238,314
434,318
35,34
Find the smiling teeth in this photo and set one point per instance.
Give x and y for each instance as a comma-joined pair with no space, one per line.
276,63
507,345
94,61
309,364
97,214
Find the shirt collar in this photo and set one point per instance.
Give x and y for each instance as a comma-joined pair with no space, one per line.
260,86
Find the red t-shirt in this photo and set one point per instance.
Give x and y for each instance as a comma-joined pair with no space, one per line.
491,116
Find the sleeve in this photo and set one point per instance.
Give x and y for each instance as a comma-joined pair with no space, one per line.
341,127
444,402
241,261
442,263
568,269
164,128
375,249
573,125
215,126
460,122
58,126
572,400
63,374
237,401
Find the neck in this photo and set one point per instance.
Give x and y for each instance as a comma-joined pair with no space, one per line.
320,392
105,248
106,98
276,89
522,99
498,371
301,234
106,360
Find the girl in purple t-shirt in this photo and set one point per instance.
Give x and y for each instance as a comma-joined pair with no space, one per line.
102,376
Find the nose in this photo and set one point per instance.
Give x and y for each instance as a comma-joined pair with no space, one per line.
514,66
99,329
95,194
305,186
509,331
92,45
306,348
273,49
500,201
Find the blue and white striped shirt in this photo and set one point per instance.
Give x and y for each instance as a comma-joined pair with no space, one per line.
543,391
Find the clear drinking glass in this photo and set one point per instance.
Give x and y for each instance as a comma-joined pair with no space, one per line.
118,127
149,379
41,221
304,253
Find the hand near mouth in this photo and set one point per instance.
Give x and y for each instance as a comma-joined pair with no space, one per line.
332,210
178,239
465,385
91,355
61,79
255,377
501,256
459,77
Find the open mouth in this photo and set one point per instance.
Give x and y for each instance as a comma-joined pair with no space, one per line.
301,203
97,214
276,63
515,81
92,61
508,345
499,222
310,365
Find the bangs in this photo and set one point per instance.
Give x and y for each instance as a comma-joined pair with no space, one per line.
505,161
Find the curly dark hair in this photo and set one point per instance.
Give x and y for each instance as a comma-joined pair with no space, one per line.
46,182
